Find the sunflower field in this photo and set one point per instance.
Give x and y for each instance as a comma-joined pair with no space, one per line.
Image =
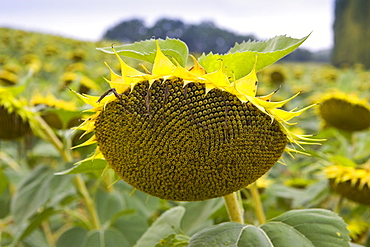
145,145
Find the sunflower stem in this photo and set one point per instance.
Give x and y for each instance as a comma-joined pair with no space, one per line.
49,134
234,208
80,184
338,205
50,238
257,203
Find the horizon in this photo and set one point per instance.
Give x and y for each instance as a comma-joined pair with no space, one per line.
89,20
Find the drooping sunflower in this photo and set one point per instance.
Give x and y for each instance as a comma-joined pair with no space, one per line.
16,118
345,111
358,229
49,105
351,182
8,78
84,82
188,135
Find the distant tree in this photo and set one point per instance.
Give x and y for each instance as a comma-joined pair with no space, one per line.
128,31
204,37
168,28
299,55
352,32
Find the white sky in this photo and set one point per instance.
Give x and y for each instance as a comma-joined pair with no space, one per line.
89,19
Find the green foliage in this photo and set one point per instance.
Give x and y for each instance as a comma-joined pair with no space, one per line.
35,190
167,224
44,197
203,37
239,60
309,227
145,50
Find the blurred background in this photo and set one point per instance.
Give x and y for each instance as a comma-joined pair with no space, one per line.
48,45
204,25
229,21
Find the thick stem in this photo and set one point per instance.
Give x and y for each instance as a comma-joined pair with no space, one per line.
257,203
48,234
338,206
233,208
80,184
53,139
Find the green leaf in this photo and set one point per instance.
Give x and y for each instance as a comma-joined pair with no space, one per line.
240,59
174,240
344,161
35,222
34,191
312,195
104,238
309,227
229,234
198,214
108,205
95,166
73,237
319,226
5,195
168,223
138,225
146,50
65,116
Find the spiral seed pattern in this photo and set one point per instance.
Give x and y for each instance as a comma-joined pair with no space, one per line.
178,143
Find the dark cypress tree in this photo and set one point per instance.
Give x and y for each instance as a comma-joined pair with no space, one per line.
352,33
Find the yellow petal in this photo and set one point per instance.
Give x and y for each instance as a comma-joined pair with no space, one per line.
126,70
288,115
184,74
247,85
273,105
269,96
91,141
116,81
91,100
197,69
162,65
218,78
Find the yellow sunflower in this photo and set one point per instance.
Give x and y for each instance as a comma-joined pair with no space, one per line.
8,78
358,229
16,118
84,82
351,182
345,111
47,106
188,135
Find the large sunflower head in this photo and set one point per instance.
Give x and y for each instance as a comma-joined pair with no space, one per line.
188,135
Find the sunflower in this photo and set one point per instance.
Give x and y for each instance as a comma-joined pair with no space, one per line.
345,111
49,106
16,119
351,182
188,135
85,83
8,78
358,229
275,74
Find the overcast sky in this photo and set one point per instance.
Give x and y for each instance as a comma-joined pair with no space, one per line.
89,19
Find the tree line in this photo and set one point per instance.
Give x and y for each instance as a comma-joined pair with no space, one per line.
351,35
203,37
